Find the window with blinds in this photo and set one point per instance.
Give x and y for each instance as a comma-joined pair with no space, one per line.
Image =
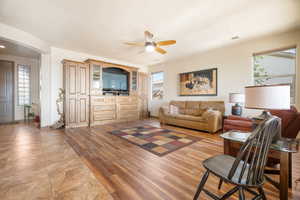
276,67
23,85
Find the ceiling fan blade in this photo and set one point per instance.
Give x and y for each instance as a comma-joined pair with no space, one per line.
166,42
135,43
160,50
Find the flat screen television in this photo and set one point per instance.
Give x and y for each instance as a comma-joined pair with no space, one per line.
115,79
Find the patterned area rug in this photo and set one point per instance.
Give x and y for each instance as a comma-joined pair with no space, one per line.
156,140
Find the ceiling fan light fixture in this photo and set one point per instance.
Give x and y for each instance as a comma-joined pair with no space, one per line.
149,46
152,45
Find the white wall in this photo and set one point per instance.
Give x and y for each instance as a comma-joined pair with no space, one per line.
234,65
45,91
34,82
57,55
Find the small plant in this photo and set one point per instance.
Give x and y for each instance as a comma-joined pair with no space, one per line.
260,74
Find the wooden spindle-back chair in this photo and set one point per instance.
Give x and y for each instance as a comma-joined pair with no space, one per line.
246,171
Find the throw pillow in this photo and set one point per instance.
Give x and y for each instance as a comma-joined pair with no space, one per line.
174,110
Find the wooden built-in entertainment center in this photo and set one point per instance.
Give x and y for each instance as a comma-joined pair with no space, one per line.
88,103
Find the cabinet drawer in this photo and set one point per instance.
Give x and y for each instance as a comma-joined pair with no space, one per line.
104,107
101,117
133,107
129,117
127,100
103,100
105,112
125,114
133,118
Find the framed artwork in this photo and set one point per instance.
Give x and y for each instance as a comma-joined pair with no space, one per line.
199,83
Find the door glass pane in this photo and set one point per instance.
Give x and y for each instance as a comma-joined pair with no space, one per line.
96,77
23,84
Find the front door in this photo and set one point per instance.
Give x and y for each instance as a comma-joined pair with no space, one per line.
6,91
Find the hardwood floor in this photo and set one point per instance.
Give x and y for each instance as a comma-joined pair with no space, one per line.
40,164
129,172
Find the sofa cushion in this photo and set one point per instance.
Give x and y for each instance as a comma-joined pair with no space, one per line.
194,112
193,108
190,118
192,104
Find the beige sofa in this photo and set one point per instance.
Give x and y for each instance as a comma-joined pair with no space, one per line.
200,115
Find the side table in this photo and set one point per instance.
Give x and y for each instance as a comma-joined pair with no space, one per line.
285,146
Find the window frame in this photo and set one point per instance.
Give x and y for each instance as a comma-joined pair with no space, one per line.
163,82
294,76
18,81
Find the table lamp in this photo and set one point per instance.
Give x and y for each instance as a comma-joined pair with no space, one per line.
267,97
238,99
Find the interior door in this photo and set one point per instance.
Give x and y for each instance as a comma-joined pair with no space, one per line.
82,89
6,91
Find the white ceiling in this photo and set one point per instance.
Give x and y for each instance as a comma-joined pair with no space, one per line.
17,50
100,27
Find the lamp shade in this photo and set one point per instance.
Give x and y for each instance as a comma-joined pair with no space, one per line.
268,97
236,98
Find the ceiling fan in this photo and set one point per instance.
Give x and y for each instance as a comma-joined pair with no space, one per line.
150,45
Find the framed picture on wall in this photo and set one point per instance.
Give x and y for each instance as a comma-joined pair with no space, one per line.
199,83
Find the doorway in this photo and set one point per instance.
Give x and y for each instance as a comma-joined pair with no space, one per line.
19,83
6,91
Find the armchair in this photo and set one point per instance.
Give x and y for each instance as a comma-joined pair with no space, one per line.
290,126
290,123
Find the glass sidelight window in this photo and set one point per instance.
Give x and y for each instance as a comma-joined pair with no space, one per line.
23,85
157,83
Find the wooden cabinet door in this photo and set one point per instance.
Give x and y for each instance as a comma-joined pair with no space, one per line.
70,71
76,84
82,90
